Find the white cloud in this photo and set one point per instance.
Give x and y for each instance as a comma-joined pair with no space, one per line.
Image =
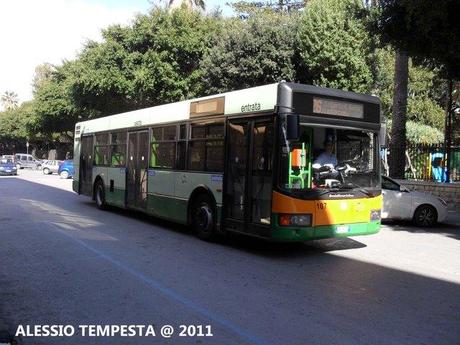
33,32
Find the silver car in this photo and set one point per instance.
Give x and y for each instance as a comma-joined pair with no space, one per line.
24,160
50,166
399,202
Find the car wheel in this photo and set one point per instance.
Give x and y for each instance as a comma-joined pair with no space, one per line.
46,171
203,218
425,215
64,174
100,195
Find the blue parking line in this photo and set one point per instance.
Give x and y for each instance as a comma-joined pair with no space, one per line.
169,292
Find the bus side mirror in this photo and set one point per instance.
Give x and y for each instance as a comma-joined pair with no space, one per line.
292,127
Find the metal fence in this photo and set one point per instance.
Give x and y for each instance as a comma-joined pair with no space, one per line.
428,163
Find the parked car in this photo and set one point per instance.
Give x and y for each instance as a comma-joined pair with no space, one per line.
9,157
24,160
7,167
399,202
66,169
51,166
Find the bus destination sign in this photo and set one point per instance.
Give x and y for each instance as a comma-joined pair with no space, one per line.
337,108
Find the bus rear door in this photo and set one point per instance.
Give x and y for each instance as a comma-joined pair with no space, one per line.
86,166
137,170
248,176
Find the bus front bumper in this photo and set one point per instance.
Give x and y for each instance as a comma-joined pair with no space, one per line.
299,234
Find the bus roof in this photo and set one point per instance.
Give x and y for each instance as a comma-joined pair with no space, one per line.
256,99
252,100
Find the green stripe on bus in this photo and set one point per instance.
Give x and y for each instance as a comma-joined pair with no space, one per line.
167,207
115,197
280,233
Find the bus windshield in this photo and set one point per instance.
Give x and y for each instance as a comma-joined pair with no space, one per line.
329,159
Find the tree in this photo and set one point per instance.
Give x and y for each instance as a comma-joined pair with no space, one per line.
246,8
252,52
187,3
43,73
398,128
10,100
430,34
334,45
424,90
153,61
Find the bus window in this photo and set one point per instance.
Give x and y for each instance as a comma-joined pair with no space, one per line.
169,133
163,147
118,149
102,139
206,147
353,162
101,155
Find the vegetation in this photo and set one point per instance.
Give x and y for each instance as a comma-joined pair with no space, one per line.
335,46
168,55
431,35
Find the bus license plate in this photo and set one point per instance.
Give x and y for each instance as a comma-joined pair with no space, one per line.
342,229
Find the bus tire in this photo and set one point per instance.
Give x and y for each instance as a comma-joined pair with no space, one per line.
99,195
203,217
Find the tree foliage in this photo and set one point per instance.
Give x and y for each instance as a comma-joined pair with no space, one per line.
427,30
9,100
250,52
335,46
424,90
166,56
16,123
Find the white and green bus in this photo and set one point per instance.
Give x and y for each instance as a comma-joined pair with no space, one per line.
241,161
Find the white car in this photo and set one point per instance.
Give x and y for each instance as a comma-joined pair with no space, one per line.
423,209
50,166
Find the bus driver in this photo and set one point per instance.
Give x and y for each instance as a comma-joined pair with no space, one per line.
327,158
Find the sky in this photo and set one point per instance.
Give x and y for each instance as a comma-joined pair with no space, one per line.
34,32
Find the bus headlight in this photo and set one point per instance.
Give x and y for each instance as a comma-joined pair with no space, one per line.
295,219
375,215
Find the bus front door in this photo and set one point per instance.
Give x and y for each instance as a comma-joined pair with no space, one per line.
85,177
137,170
248,176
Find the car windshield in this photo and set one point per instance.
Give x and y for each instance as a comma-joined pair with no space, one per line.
329,159
6,161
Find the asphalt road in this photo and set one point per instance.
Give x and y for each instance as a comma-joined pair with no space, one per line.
64,262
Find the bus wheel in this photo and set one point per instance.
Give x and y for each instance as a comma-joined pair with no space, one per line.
99,195
203,217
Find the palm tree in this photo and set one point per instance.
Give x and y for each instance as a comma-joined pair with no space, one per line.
10,100
189,3
398,127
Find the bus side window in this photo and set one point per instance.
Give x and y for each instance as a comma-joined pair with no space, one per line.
163,147
118,149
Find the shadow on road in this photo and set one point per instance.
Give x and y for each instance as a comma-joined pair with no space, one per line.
283,293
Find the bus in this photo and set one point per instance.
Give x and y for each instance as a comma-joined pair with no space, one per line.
243,161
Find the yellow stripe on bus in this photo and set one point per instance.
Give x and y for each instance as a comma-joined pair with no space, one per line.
328,212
